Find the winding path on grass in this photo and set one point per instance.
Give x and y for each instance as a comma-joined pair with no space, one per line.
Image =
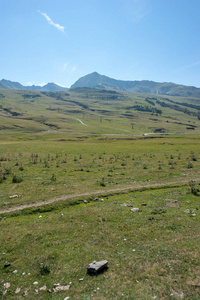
81,122
102,193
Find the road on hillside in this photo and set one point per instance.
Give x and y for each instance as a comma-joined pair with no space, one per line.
81,122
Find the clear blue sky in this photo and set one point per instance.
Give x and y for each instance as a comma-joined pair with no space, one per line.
62,40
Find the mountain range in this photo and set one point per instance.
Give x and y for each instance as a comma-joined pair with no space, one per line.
49,87
95,80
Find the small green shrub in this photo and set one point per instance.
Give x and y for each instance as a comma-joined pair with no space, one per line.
193,187
46,164
2,177
159,211
44,269
7,171
16,179
102,183
53,178
189,165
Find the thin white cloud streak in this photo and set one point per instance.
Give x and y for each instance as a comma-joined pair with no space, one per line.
67,68
136,10
49,20
74,69
191,65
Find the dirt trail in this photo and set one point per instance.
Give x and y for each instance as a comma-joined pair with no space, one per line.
122,189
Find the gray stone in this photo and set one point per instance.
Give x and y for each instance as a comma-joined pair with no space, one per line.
188,211
17,291
96,199
97,266
134,209
57,287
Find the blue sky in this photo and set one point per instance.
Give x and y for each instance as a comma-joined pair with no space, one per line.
62,40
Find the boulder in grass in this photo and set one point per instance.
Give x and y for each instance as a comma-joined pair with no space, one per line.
97,267
96,199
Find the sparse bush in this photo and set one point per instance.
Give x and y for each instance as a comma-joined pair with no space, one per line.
193,157
46,164
102,183
3,158
189,165
193,187
159,211
53,178
16,179
2,177
7,171
45,269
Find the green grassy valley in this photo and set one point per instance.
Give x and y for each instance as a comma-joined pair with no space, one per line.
73,166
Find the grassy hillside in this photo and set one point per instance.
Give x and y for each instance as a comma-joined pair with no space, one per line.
60,151
81,112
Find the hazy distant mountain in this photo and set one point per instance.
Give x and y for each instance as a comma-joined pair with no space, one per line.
95,80
49,87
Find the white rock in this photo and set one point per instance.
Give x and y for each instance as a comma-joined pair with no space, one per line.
66,298
15,271
35,283
6,285
58,287
43,288
17,290
13,196
135,209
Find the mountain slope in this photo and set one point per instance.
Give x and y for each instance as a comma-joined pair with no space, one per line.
49,87
95,80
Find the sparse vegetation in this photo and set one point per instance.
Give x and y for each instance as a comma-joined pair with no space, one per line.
153,252
193,187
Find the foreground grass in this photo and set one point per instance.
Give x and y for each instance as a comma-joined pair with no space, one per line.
151,253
